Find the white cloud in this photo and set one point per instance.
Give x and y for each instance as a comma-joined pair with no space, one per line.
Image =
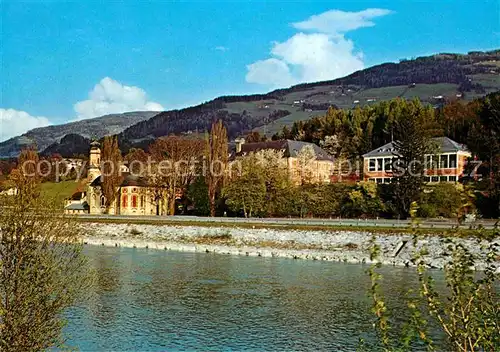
271,71
323,54
15,122
335,22
112,97
221,48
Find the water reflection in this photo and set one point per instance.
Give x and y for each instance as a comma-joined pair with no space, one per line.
159,300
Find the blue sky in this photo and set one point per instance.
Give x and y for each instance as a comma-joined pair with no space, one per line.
62,61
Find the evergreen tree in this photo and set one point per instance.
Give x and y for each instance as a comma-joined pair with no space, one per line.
412,132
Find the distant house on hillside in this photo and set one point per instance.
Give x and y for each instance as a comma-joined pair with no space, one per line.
321,166
447,165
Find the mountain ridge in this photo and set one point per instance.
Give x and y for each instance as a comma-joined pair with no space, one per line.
433,79
98,127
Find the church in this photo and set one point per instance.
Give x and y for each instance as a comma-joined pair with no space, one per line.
134,195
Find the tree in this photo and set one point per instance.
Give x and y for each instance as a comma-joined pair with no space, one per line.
363,200
42,268
305,164
247,192
216,157
254,137
137,159
198,196
175,159
111,174
466,313
484,140
412,132
275,172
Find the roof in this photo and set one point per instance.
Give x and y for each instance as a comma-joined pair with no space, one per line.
77,195
133,180
77,206
290,148
445,145
128,181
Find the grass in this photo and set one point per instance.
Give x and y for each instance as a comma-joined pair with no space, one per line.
329,94
59,191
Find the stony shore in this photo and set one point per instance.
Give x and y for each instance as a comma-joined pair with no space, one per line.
340,246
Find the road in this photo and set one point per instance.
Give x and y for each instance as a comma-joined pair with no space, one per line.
381,223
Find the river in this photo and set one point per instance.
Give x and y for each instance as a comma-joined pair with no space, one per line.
153,300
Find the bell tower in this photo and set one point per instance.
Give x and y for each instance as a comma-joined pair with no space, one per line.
94,161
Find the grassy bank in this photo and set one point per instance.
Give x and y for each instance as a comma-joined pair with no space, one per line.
59,191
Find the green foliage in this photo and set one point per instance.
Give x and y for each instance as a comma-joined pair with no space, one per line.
363,200
246,193
468,314
443,199
42,268
413,128
198,195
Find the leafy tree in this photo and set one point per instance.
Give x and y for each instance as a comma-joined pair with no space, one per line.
363,200
305,165
42,268
198,195
444,199
247,192
275,172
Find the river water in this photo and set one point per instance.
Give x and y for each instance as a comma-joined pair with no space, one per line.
151,300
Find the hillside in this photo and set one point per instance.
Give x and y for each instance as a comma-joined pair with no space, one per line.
91,128
433,79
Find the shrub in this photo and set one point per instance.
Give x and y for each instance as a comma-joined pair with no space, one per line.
467,316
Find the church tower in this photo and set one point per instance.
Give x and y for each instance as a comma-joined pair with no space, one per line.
94,161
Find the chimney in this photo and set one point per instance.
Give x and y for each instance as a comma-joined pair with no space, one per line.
239,142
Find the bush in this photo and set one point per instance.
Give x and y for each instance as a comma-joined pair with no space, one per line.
467,315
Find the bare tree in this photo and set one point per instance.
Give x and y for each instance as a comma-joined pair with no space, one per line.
42,268
111,174
217,157
175,167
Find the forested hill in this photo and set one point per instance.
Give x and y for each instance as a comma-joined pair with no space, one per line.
433,79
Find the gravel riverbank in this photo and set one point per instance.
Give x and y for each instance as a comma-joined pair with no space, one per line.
341,246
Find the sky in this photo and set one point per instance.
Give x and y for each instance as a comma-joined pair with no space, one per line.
64,61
